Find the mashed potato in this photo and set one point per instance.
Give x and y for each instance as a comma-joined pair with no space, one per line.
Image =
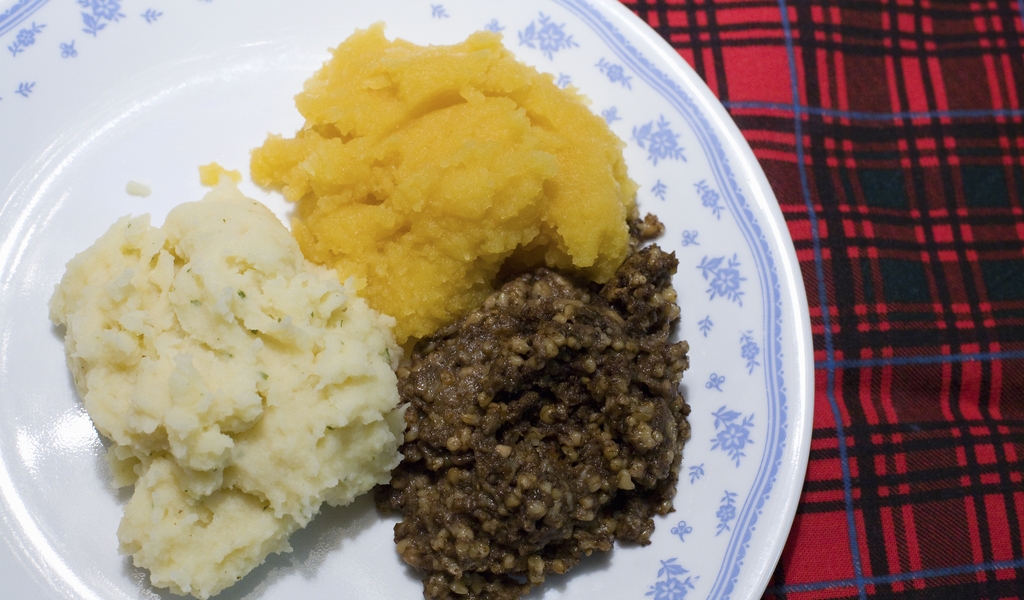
241,386
421,170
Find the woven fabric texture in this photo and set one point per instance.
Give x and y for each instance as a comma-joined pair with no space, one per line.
893,136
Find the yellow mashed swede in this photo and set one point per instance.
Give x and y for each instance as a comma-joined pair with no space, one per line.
240,385
422,170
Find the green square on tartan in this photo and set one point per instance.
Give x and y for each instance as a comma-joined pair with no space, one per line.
883,188
984,185
1004,279
904,280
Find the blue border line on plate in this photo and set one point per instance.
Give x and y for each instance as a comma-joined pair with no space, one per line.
18,13
767,273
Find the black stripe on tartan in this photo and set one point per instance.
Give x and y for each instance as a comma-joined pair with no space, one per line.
868,41
756,34
694,30
862,452
849,272
643,9
937,133
868,482
984,132
663,29
819,129
931,484
716,43
945,295
973,472
937,483
1015,436
1003,467
937,275
954,583
919,198
807,46
766,121
824,303
832,485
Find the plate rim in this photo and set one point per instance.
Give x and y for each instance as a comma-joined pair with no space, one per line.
800,427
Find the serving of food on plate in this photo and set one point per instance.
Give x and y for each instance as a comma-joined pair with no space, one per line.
445,326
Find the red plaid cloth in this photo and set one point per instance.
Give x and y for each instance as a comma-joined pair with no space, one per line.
893,135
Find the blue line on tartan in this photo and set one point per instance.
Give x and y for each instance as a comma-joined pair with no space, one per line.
819,268
886,579
886,361
880,116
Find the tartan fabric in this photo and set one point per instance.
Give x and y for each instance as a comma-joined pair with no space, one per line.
893,136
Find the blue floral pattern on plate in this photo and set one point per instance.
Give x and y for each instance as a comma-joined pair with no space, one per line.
660,141
726,512
673,586
696,472
546,35
724,279
26,37
733,433
705,325
709,198
682,530
101,13
615,73
749,350
659,189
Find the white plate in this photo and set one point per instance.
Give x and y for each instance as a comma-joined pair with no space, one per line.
95,93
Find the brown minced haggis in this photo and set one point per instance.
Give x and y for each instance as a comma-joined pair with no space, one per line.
542,427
